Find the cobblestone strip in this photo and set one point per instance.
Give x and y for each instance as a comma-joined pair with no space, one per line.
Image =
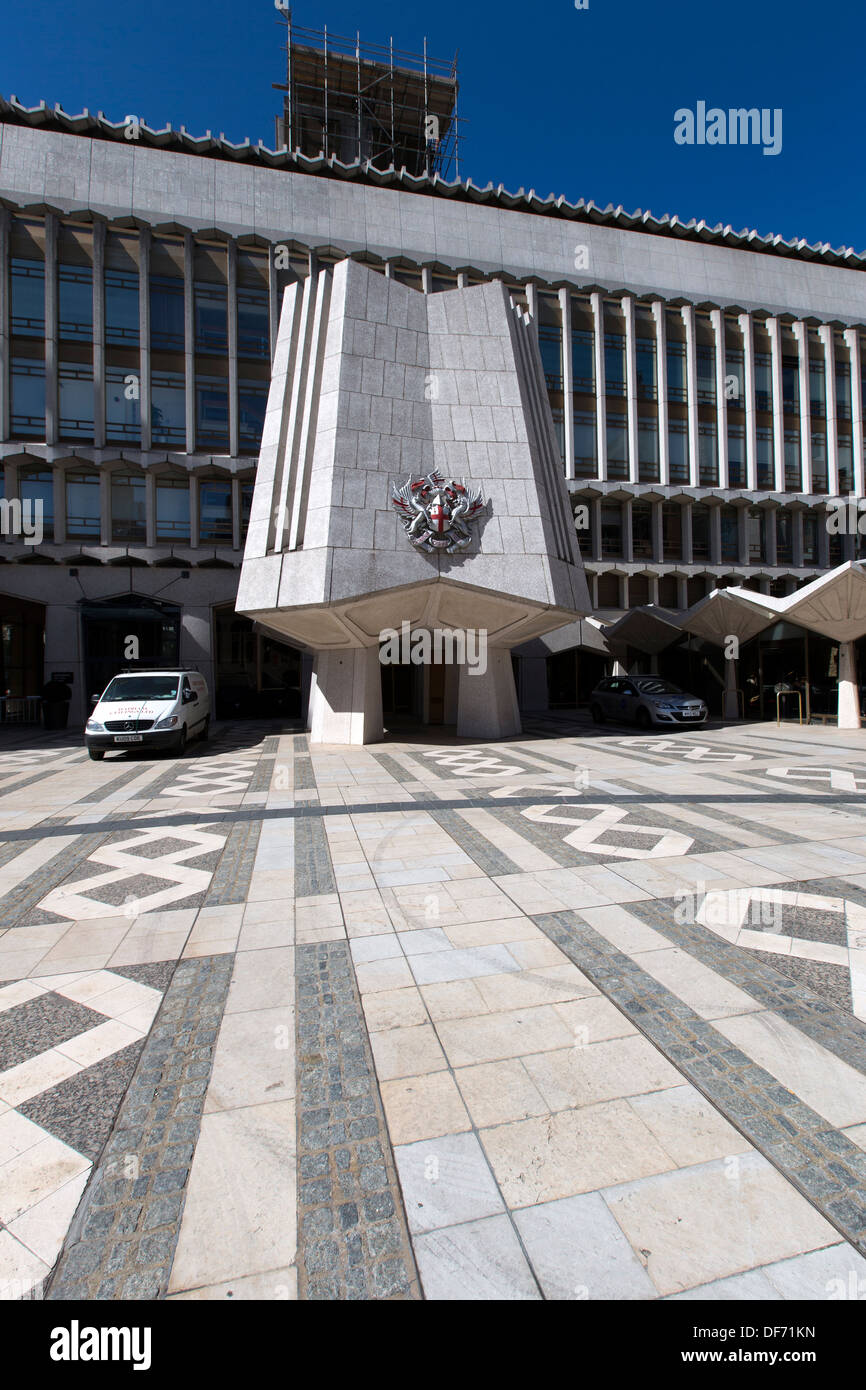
352,1237
122,1239
828,1024
314,874
476,845
231,879
25,897
822,1163
305,779
261,778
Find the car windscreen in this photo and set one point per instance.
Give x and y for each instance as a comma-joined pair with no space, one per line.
142,688
658,687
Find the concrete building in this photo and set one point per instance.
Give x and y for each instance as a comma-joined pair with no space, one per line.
705,388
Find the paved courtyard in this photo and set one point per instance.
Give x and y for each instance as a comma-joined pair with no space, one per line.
580,1015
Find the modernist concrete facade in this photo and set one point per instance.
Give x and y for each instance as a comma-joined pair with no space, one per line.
705,386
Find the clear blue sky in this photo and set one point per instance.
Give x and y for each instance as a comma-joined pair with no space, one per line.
565,101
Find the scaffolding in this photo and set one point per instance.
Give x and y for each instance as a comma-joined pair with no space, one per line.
368,103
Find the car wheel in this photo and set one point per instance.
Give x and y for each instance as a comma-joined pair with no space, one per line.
181,743
642,719
597,714
97,754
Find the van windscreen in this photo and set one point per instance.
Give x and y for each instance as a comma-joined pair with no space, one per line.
142,688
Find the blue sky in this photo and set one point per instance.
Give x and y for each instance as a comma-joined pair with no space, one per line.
574,102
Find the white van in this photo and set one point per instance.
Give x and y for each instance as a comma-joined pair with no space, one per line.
156,709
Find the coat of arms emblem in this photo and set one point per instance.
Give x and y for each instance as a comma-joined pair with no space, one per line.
436,514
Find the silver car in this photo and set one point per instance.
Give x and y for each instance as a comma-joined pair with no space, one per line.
647,701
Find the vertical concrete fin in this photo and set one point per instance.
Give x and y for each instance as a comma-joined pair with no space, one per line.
282,390
310,413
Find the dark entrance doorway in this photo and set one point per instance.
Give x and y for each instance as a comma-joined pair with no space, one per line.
22,647
256,676
108,624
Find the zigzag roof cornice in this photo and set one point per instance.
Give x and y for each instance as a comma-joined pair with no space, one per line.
54,118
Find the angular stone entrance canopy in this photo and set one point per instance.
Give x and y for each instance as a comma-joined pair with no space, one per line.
375,388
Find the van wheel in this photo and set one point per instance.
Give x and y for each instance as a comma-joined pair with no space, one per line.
205,730
597,714
97,754
642,719
181,743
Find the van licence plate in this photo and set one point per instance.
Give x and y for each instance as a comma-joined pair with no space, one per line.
129,738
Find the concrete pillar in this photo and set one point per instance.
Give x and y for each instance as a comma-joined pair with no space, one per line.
232,310
745,321
686,533
631,389
346,697
715,530
273,298
797,538
825,333
658,309
189,339
688,314
567,380
144,242
99,334
801,334
849,694
627,537
852,338
730,702
717,319
775,332
52,329
5,383
487,702
597,301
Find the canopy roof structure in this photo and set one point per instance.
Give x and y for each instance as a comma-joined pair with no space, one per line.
650,628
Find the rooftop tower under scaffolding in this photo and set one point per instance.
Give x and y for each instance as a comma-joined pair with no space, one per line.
368,102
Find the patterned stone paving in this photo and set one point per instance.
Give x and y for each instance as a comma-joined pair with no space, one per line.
578,1015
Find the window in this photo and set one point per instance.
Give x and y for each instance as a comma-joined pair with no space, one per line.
611,530
172,508
736,455
793,476
784,538
550,346
728,518
82,506
122,405
845,453
678,447
215,511
708,454
121,307
582,362
36,488
645,363
843,388
700,533
763,382
166,313
28,397
676,364
558,415
648,448
247,490
810,539
766,459
617,445
585,445
128,507
211,319
735,390
817,384
252,404
212,412
672,531
819,461
253,324
642,530
756,525
614,364
706,365
791,385
75,398
75,302
28,298
168,408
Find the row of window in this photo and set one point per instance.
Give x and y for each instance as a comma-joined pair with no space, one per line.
81,498
611,590
607,523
